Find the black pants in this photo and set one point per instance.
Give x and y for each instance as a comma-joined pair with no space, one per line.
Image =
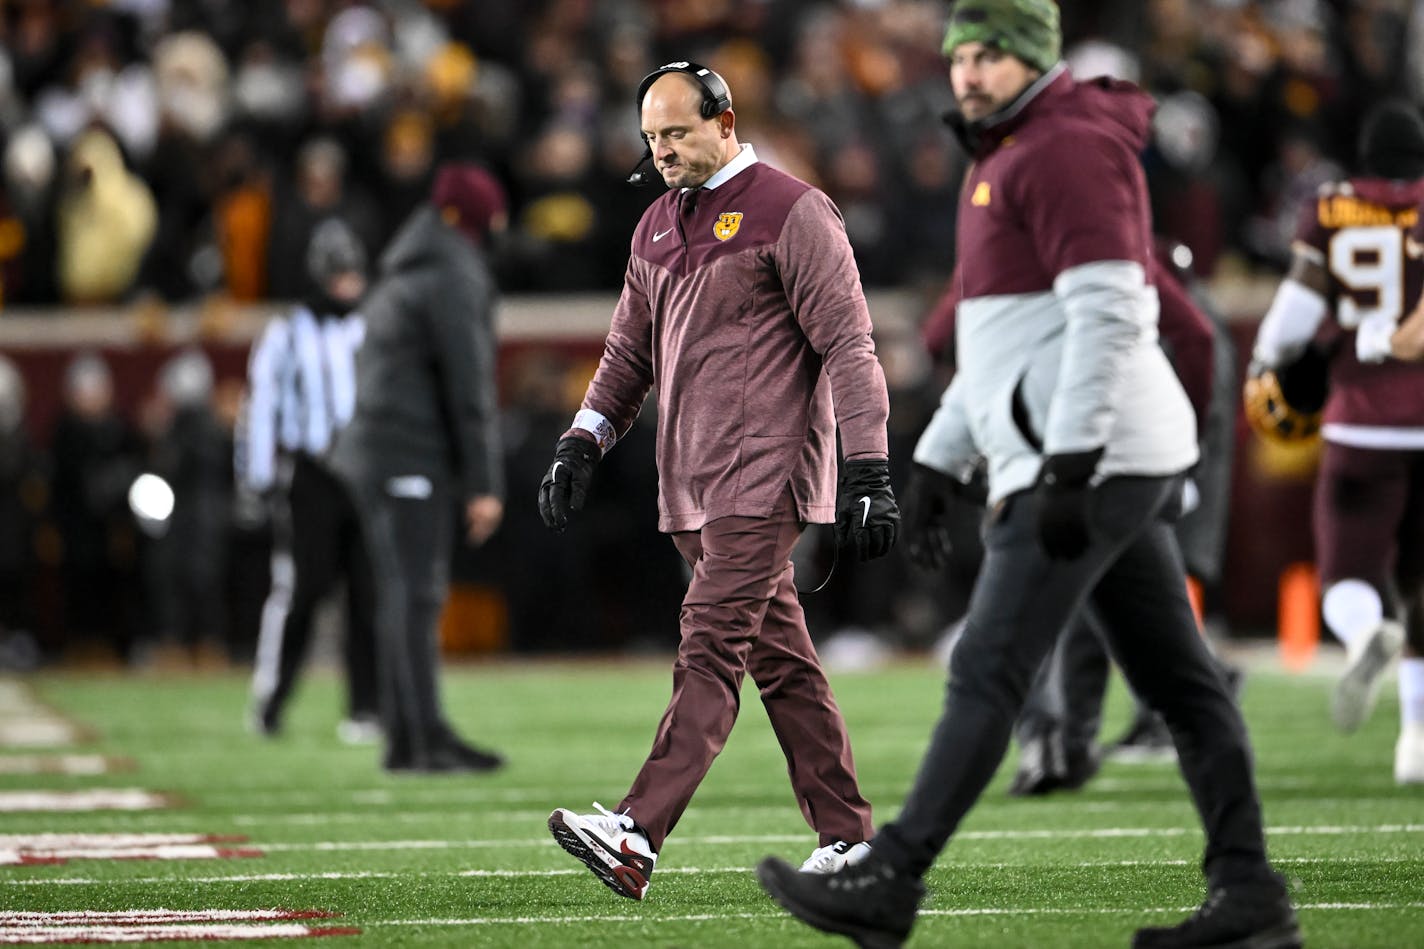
1132,575
316,541
408,524
1068,692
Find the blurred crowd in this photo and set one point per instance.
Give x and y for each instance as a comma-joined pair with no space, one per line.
170,149
180,150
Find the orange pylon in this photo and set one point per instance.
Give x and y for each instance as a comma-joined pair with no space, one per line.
1298,616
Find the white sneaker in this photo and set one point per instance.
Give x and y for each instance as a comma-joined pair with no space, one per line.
836,856
1409,755
610,845
1358,688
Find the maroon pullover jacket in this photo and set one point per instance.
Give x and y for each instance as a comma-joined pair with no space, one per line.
742,304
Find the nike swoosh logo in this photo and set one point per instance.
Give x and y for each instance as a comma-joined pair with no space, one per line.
554,472
865,502
661,234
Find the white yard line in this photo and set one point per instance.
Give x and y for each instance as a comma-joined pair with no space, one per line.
1098,832
662,871
1150,779
965,911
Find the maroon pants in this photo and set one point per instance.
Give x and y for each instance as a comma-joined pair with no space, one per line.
1369,517
741,615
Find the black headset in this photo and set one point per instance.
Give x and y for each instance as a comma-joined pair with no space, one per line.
716,99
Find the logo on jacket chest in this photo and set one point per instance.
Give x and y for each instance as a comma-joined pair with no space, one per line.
728,223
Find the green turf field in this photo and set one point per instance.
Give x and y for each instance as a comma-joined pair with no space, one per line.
459,861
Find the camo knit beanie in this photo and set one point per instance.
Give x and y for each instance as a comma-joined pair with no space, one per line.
1027,29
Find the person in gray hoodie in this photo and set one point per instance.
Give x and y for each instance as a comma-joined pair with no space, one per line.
423,437
1063,389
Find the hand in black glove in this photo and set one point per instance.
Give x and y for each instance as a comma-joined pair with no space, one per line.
565,484
866,514
929,495
1062,490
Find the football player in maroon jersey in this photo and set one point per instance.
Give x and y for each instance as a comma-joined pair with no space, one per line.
1355,268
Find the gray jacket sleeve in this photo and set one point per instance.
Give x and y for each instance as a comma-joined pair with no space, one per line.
1108,317
462,326
947,444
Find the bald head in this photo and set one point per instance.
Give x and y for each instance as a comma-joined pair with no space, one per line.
687,148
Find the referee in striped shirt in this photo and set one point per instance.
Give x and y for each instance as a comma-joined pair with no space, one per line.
301,390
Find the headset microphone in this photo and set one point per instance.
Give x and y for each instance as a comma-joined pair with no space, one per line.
638,177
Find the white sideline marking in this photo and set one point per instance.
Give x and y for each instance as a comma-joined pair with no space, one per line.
37,733
233,878
25,849
27,722
207,932
50,841
160,852
99,799
135,917
61,764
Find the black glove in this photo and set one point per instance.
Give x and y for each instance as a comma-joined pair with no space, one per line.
565,484
1062,490
928,496
866,514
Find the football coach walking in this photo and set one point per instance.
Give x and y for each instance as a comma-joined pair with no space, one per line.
1063,388
424,436
742,306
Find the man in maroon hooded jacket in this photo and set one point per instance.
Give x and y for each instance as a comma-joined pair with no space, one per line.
1062,388
742,307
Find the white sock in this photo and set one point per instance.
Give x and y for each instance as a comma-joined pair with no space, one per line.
1411,691
1352,610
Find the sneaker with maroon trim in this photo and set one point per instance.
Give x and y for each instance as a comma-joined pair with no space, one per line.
609,844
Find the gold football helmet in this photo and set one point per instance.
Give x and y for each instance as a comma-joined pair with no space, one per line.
1286,405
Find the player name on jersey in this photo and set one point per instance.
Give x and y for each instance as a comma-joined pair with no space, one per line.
1341,210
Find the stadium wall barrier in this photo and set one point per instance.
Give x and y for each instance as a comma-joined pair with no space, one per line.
1269,527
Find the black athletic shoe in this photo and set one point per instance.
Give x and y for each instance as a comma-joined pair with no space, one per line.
448,757
1243,916
265,719
867,901
1047,764
1146,739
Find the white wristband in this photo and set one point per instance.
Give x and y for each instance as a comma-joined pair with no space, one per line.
1372,340
598,426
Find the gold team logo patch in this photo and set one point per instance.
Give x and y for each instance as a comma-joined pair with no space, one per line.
727,224
980,198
